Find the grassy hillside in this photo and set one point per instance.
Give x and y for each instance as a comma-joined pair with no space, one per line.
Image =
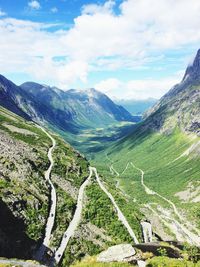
169,169
91,261
25,195
100,227
90,141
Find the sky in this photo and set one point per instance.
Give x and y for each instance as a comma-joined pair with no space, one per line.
133,49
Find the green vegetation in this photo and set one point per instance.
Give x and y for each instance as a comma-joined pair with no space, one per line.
100,211
192,253
77,249
92,140
31,191
36,136
69,164
64,213
27,169
22,183
91,261
158,155
168,262
162,252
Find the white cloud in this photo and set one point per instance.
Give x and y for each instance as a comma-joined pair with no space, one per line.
101,40
92,9
111,86
54,9
136,89
63,74
29,48
2,13
34,4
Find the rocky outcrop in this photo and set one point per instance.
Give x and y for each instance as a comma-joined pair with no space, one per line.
180,106
171,248
20,263
193,70
147,231
118,253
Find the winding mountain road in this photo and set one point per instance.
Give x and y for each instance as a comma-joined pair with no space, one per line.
74,222
195,239
121,216
52,212
179,228
112,169
127,165
77,216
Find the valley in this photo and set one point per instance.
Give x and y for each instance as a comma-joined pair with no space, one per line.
128,187
55,223
155,195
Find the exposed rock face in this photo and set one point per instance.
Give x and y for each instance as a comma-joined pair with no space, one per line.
119,253
70,111
23,192
147,231
89,104
180,106
193,70
171,248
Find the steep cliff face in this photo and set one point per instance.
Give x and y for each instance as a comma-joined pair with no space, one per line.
9,97
181,105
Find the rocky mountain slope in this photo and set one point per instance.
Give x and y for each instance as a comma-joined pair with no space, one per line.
68,111
181,105
86,107
24,192
13,98
158,163
25,197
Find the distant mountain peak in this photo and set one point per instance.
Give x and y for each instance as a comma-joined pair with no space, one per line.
180,106
92,92
89,92
193,70
70,110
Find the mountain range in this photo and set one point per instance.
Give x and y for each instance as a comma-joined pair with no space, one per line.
180,106
158,162
143,186
67,111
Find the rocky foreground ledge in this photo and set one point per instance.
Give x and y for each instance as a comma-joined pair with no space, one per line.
19,263
118,253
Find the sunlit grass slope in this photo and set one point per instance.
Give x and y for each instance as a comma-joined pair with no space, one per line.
164,158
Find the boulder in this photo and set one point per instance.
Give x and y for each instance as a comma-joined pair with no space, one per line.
118,253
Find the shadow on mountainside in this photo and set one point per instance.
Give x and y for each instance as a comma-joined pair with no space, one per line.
14,242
